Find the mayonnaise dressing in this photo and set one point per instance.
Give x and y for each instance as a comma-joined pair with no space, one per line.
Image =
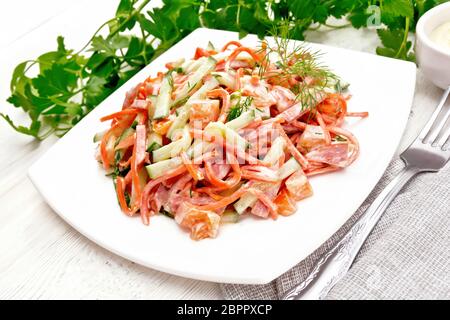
441,36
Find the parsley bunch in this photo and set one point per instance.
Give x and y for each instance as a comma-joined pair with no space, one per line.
60,87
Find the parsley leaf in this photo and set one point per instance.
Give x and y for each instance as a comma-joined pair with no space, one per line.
402,8
59,87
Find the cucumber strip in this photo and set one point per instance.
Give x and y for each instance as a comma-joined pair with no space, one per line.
197,148
263,112
229,216
210,46
225,79
154,141
191,65
242,121
180,121
195,79
99,135
201,93
128,132
288,168
221,55
151,106
275,151
248,199
183,112
153,146
173,149
162,107
178,63
231,136
158,169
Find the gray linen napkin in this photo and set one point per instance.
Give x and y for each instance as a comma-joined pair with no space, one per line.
407,256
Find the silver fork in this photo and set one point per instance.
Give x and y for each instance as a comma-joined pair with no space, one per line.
425,154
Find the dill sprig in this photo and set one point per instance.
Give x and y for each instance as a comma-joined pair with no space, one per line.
241,106
297,66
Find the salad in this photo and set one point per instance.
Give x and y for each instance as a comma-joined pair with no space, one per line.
233,131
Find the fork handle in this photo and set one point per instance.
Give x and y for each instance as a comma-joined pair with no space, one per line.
335,263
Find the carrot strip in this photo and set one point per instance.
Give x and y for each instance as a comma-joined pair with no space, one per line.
122,113
238,50
357,114
120,186
125,164
333,109
238,76
292,149
225,201
125,143
104,152
209,192
219,183
191,167
318,171
225,96
230,199
231,43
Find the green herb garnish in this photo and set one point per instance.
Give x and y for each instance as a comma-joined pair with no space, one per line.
241,106
58,88
153,146
298,62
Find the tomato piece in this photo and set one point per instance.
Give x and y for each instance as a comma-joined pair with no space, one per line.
203,112
298,186
312,137
201,223
230,43
162,126
286,205
333,108
200,52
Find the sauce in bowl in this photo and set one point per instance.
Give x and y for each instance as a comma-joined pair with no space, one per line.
441,36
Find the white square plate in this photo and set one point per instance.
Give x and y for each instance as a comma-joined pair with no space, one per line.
253,251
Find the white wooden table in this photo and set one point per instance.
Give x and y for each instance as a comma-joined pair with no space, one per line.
40,255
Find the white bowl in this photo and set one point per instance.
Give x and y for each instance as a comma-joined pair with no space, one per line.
433,60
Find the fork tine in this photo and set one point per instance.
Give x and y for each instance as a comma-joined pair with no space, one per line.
444,136
439,127
427,134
